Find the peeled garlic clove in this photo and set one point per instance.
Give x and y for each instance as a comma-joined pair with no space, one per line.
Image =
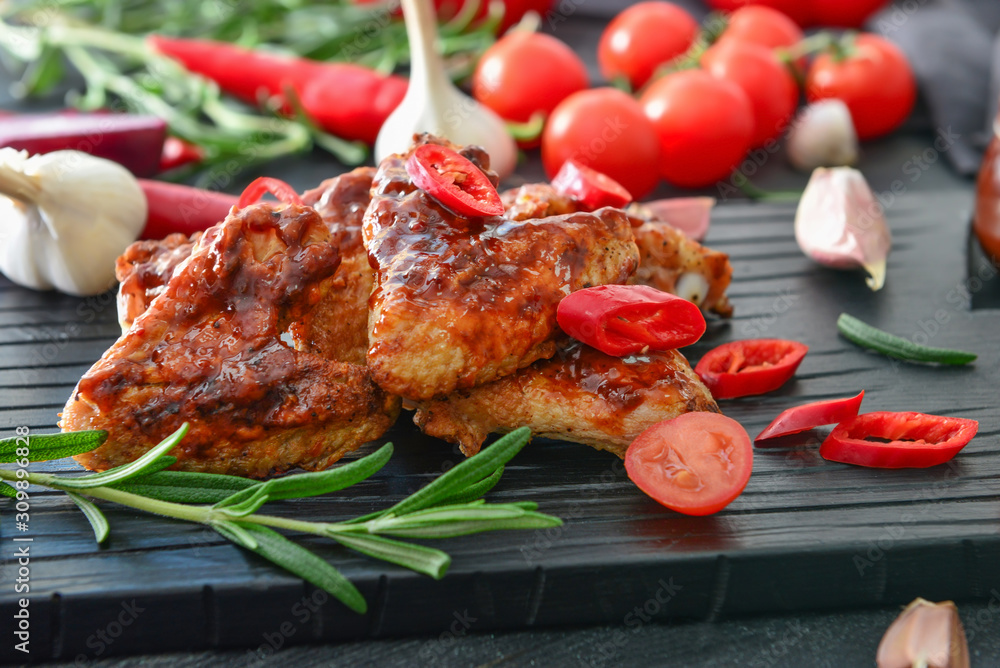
433,104
840,224
925,634
690,215
823,136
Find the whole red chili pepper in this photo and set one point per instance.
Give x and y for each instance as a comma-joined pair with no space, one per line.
177,208
347,100
906,440
629,319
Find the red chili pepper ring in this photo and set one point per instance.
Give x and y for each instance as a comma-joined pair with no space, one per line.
905,440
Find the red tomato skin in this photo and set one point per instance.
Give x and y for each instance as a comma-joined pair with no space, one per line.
875,82
524,73
813,414
772,90
705,126
758,24
643,37
680,435
844,13
797,10
782,357
847,444
604,129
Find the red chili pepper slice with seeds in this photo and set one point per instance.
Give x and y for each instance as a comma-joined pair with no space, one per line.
267,184
629,319
749,367
590,186
811,415
454,181
898,440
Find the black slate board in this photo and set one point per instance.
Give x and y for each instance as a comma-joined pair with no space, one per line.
805,535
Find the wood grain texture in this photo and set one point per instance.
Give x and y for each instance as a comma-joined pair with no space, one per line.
806,535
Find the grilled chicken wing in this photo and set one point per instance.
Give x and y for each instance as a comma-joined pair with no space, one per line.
462,301
208,351
581,395
144,270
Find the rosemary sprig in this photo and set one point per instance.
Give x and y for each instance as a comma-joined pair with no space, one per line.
447,507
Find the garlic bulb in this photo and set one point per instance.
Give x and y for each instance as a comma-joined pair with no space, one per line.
64,219
840,224
433,104
823,136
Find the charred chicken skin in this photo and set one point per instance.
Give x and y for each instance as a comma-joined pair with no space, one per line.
208,351
580,395
459,301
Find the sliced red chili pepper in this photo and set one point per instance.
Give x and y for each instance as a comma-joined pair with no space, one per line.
590,186
177,153
752,366
905,440
629,319
453,180
266,184
814,414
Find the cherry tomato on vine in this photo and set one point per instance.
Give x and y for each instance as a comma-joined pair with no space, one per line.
844,13
768,83
762,25
642,38
604,129
524,73
695,464
453,180
797,10
705,125
874,80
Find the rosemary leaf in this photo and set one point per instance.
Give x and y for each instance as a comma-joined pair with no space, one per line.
459,520
249,500
151,460
472,470
7,490
298,560
185,486
475,490
426,560
43,447
94,515
235,533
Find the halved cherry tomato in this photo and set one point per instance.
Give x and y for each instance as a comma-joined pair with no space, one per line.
590,186
267,184
873,79
752,366
814,414
629,319
643,37
905,440
695,464
453,180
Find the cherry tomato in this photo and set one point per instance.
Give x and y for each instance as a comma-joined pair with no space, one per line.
265,184
604,129
814,414
695,464
906,440
748,367
704,125
453,180
589,186
772,90
797,10
762,25
629,319
642,38
524,73
874,80
844,13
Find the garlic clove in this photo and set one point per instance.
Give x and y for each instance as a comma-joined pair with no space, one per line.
690,215
925,634
433,104
840,224
823,135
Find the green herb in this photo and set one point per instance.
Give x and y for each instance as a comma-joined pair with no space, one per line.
867,336
42,447
449,506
